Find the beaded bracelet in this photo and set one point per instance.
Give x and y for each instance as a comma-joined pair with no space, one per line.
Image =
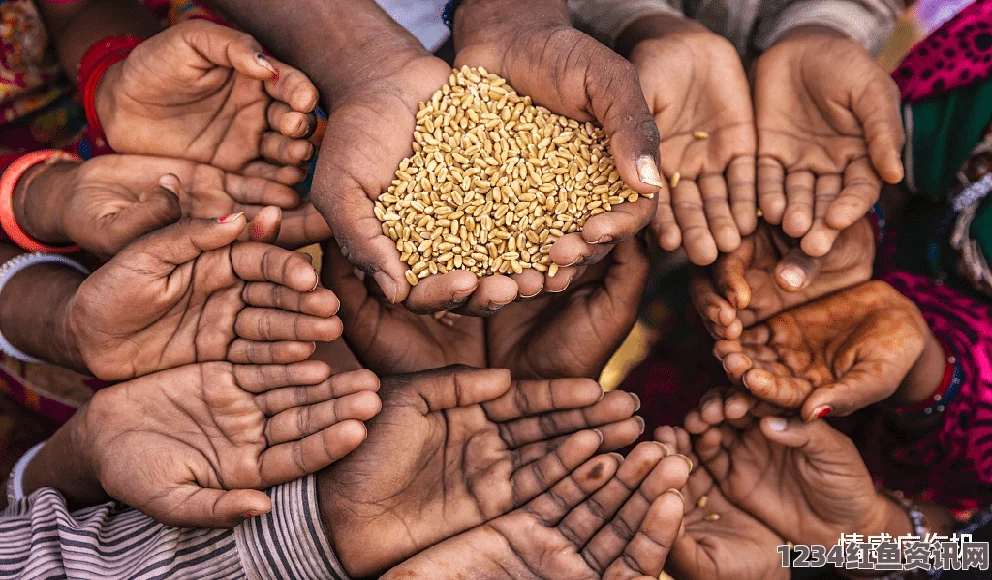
949,387
94,64
9,269
8,183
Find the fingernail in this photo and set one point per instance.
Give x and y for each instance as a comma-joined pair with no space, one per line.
674,491
604,239
247,515
647,171
687,460
820,412
301,128
530,296
231,217
793,276
778,424
640,421
600,433
317,282
265,63
169,183
387,285
668,450
637,402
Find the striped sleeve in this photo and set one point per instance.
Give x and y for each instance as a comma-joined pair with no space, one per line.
869,22
41,538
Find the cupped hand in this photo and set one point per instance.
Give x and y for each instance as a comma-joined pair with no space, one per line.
610,518
769,274
537,50
194,446
695,86
189,293
206,93
832,356
574,333
454,448
719,540
389,339
829,132
805,480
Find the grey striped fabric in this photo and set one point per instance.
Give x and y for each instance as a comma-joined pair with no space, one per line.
41,538
750,25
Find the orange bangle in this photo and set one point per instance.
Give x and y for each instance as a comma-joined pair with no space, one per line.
8,182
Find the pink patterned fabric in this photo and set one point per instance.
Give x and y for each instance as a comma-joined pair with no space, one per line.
957,54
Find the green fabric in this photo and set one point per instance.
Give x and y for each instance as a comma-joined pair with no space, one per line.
981,227
946,129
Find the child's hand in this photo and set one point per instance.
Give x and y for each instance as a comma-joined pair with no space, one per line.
608,519
193,445
833,356
204,92
828,127
696,88
769,274
190,293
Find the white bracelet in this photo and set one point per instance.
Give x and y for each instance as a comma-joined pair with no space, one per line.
9,269
15,488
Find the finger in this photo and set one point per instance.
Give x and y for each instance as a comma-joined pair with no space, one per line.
262,378
815,439
282,150
302,421
440,292
741,178
716,206
264,225
587,519
621,223
458,387
285,174
562,279
878,112
647,552
861,190
788,392
553,505
267,324
623,286
251,352
157,207
799,213
194,506
292,87
821,237
532,398
696,237
288,461
868,382
159,252
717,314
771,190
572,250
257,191
256,262
664,224
340,385
226,47
530,282
282,118
320,302
492,294
797,270
535,478
730,275
301,227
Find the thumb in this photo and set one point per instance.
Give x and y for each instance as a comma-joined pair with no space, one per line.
156,208
729,273
265,225
458,387
816,439
191,506
797,270
159,252
878,112
858,388
625,281
226,47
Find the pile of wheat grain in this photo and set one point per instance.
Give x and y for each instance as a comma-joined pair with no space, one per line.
494,181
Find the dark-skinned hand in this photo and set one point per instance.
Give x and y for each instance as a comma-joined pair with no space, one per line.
829,132
769,274
206,93
610,518
734,544
452,449
832,356
696,88
573,333
189,293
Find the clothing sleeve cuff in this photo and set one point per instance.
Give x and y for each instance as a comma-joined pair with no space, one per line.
15,483
868,22
605,20
289,541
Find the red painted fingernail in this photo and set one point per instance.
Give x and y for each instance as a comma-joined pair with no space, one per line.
250,514
231,217
821,412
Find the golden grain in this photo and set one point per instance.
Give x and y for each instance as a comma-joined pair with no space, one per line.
701,135
675,179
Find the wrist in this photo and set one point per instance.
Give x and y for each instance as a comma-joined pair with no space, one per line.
104,98
480,22
655,27
40,197
926,375
65,464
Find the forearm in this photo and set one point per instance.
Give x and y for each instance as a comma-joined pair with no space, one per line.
76,26
608,20
485,21
34,311
64,464
335,42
